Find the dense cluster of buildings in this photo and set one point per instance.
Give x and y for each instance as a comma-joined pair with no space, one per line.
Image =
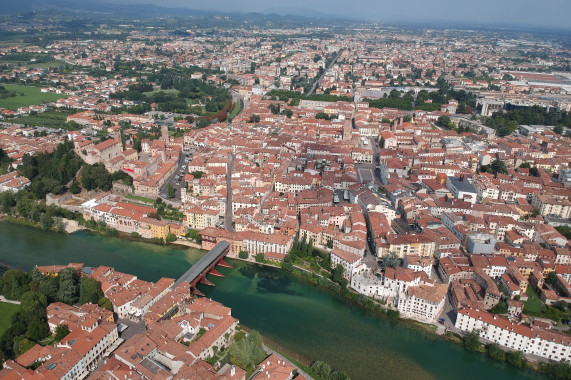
181,332
354,180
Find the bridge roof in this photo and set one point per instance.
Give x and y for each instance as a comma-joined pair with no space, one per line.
205,261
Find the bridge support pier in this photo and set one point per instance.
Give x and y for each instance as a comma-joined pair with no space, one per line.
224,264
205,281
214,272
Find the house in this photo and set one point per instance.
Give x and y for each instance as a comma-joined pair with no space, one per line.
423,302
274,368
461,188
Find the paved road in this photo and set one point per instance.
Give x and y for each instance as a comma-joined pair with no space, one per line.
172,180
318,81
228,217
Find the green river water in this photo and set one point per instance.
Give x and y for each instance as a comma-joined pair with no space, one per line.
303,321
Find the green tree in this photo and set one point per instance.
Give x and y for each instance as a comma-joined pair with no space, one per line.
89,290
247,352
551,278
46,222
105,303
61,332
38,329
260,257
58,224
561,370
32,305
498,166
13,284
338,277
74,188
170,238
500,308
321,369
496,352
7,201
558,129
243,255
472,341
254,119
517,359
391,260
171,191
68,290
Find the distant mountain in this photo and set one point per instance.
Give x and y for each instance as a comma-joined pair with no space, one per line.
119,9
302,12
138,8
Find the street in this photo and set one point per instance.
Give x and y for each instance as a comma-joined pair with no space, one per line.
229,214
176,180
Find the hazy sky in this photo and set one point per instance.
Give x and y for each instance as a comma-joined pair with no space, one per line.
523,12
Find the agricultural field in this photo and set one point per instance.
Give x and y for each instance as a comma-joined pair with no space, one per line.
31,96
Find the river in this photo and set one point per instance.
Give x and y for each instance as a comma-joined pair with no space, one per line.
304,321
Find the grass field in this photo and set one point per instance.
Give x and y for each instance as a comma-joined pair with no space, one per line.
50,119
533,303
32,96
6,312
170,91
141,199
43,65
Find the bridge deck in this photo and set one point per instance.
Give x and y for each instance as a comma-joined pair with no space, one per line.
211,257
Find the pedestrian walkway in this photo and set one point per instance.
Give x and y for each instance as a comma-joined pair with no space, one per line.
3,299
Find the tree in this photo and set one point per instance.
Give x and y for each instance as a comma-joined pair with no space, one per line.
498,166
33,305
243,255
58,224
517,359
551,278
170,238
247,352
472,341
74,188
45,222
13,284
7,201
105,303
496,352
558,129
171,191
61,332
391,260
500,308
338,277
68,290
37,329
202,123
561,370
321,369
89,290
254,119
260,257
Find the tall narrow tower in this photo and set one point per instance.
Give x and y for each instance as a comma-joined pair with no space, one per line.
165,133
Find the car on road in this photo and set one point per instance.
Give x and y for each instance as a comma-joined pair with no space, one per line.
441,320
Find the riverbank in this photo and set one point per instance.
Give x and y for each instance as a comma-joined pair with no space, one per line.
431,330
72,226
311,324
